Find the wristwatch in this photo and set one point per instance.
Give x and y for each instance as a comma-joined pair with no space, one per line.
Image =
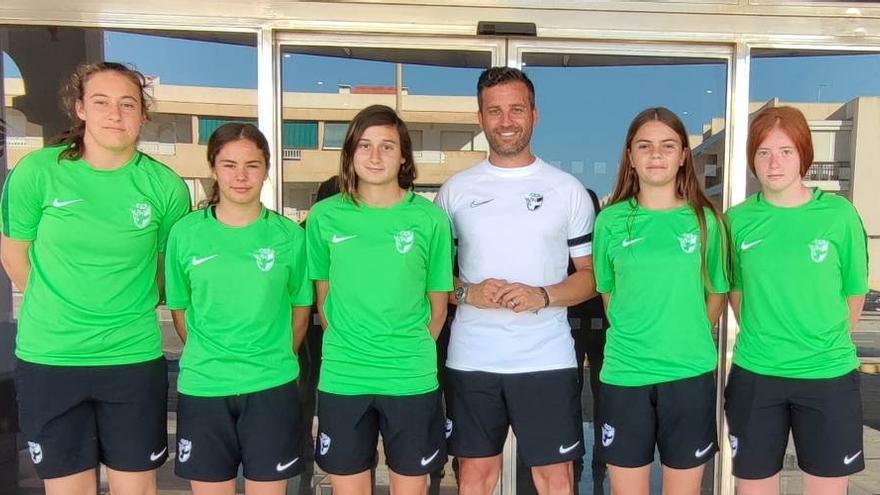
461,294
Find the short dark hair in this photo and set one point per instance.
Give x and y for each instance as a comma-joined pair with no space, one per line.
494,76
374,115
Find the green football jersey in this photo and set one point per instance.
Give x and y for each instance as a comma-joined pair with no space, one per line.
380,264
237,286
91,295
795,268
649,262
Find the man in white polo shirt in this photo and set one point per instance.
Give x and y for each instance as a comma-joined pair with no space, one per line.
517,221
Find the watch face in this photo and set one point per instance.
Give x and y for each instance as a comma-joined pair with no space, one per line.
459,293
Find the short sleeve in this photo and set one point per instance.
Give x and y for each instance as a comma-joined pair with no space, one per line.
299,285
439,277
716,255
602,266
177,286
22,202
178,206
442,200
854,255
581,217
317,251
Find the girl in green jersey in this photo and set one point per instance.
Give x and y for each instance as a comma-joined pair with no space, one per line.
799,284
236,282
84,225
659,264
381,257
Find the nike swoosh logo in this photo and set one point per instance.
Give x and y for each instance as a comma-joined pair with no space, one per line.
476,203
630,242
341,238
745,246
155,457
57,203
427,461
701,453
849,460
281,467
199,261
565,450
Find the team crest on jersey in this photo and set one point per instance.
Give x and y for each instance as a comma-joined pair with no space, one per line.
323,443
448,428
688,242
36,451
818,250
534,201
184,449
403,241
141,215
734,443
265,258
607,434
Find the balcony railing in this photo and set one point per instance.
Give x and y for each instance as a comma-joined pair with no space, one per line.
24,142
154,148
828,171
291,154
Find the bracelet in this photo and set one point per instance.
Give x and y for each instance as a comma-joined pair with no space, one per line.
546,297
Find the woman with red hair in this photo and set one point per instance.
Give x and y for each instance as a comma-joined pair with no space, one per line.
799,284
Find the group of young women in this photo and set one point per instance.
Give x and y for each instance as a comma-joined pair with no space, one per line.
92,229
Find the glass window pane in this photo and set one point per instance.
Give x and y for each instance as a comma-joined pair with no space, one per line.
207,125
300,135
334,134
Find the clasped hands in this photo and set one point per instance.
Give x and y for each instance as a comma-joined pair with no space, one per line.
496,293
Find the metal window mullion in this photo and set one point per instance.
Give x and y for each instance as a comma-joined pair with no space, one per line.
735,176
269,112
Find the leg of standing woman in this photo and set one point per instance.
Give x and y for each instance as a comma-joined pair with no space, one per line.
818,485
682,481
132,483
252,487
82,483
407,485
764,486
351,484
213,488
629,481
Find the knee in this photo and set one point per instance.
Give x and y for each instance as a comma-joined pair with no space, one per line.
556,477
477,476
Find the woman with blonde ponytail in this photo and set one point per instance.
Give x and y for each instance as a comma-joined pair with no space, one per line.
660,264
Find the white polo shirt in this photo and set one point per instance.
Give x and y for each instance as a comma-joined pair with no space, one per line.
519,225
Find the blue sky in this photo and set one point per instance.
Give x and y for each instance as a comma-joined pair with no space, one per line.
584,111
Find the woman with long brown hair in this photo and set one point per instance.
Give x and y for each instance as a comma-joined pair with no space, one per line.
660,264
85,223
381,257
